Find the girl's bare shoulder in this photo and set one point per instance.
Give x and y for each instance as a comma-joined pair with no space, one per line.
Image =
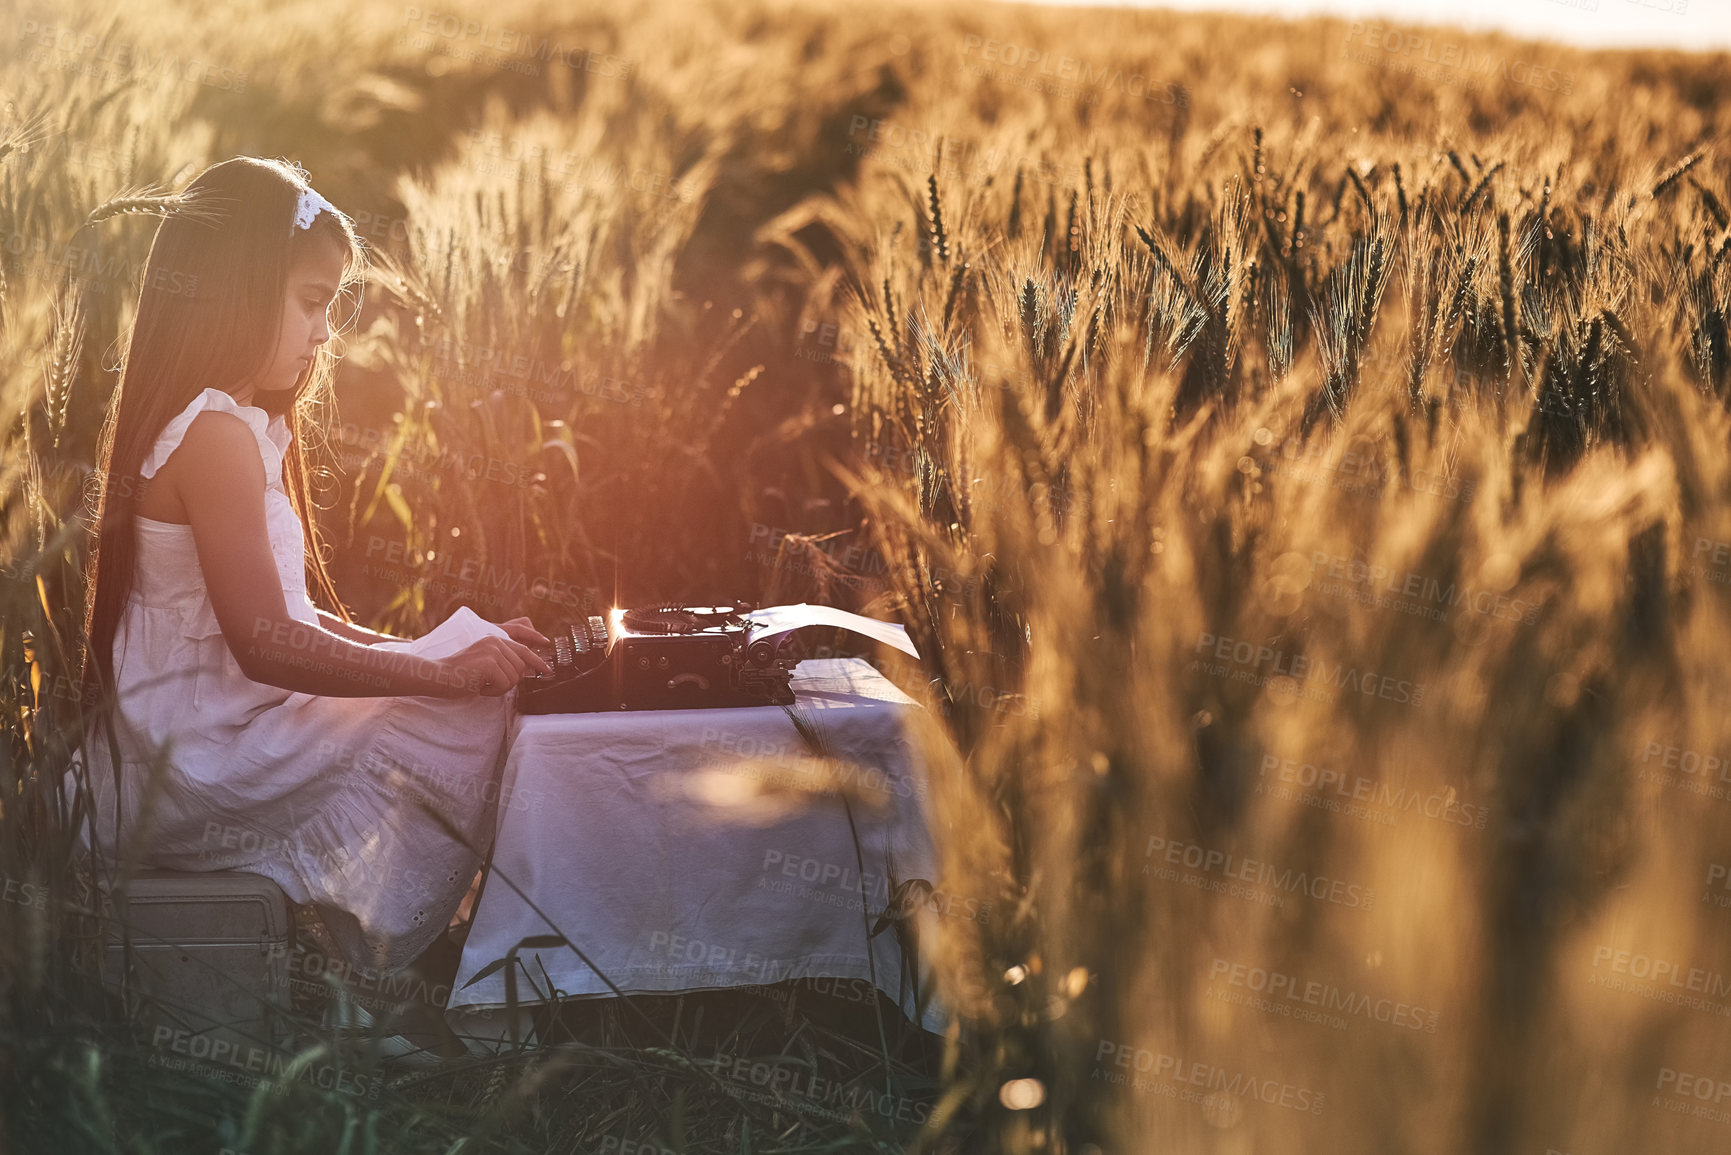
218,449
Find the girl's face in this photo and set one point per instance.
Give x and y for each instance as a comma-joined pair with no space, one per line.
304,326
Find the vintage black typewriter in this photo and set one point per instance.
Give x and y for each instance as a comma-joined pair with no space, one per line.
660,658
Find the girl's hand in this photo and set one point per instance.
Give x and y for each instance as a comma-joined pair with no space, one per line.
524,631
493,666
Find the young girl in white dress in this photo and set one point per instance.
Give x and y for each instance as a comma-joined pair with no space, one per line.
252,730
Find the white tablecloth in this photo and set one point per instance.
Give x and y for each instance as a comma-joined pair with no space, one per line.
685,850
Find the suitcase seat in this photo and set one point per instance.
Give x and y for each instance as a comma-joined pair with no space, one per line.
202,958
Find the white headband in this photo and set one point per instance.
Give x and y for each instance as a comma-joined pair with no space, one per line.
308,206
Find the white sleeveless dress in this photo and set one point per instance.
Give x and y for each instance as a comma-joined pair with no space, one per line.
328,796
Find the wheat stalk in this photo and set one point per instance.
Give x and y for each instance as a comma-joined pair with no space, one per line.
1675,173
203,208
62,362
939,237
1479,188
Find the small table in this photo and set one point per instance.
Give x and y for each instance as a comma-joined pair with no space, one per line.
685,850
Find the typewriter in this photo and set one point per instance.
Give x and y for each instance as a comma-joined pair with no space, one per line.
659,658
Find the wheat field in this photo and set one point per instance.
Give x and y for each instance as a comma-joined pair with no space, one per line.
1301,453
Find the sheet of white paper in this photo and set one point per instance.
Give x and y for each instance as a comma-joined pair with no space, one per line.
773,620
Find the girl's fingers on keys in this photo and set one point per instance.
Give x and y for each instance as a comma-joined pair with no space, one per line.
511,654
523,630
533,638
533,660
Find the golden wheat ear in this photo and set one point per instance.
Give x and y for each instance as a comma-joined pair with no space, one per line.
62,363
405,285
142,201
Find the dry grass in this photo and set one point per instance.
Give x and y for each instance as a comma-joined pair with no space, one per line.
1410,383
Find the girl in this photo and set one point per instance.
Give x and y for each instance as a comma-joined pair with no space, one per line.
251,730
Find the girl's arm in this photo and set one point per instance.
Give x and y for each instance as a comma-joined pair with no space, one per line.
351,631
222,489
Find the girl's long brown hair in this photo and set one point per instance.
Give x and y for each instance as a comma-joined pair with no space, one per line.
207,318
